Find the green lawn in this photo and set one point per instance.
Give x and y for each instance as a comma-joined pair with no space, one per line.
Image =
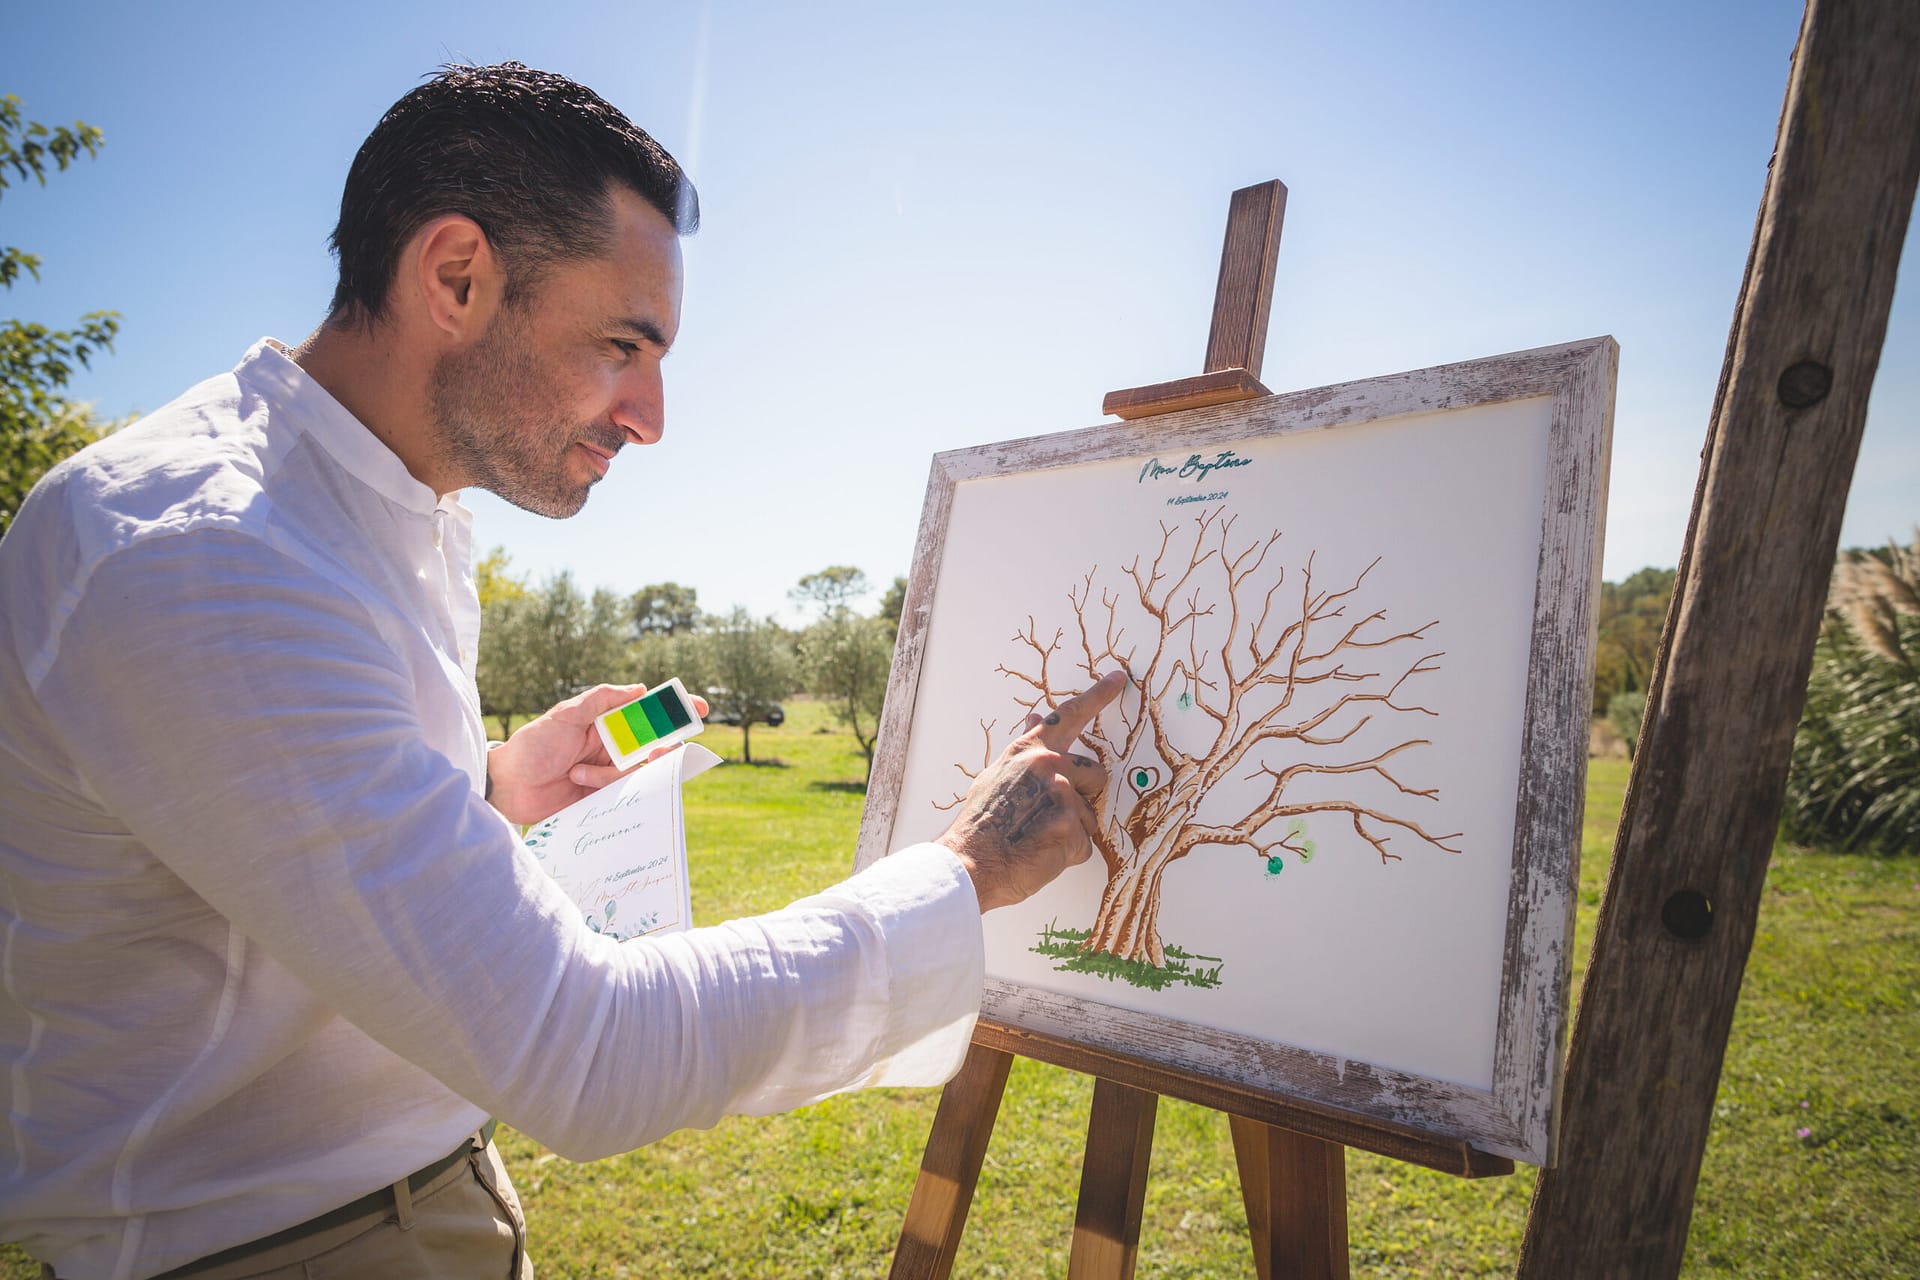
1827,1040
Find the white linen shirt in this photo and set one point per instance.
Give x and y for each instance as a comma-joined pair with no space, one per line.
263,947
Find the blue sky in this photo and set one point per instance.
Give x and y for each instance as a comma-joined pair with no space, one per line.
930,227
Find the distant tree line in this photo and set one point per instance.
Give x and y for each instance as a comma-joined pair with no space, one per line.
1856,769
543,642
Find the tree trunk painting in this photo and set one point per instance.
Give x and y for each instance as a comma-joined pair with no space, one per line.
1269,705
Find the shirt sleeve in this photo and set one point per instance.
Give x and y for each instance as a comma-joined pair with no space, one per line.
239,712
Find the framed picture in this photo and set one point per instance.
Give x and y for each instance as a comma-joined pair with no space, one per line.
1337,861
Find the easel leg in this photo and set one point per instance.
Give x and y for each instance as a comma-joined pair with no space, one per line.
1296,1195
957,1145
1113,1184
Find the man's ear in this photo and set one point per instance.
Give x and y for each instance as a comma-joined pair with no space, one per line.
456,277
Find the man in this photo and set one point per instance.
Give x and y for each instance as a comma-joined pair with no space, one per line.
270,950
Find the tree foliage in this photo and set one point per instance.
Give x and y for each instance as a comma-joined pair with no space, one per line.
1632,615
1626,711
659,656
835,587
496,670
31,445
540,645
573,641
751,663
665,608
894,603
38,425
1855,782
845,658
492,582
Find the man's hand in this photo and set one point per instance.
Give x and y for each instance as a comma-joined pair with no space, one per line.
1030,814
549,763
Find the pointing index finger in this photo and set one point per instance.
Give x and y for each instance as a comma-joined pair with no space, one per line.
1063,724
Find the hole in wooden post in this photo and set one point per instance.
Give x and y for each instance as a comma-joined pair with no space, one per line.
1805,384
1687,914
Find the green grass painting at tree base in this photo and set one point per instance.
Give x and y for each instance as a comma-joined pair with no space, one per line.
1811,1169
1068,946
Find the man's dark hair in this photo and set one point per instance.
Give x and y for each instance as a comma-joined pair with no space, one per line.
527,154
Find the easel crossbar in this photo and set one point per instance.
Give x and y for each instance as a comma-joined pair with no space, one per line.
1446,1155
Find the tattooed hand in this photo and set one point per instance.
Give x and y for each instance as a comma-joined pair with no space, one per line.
1029,814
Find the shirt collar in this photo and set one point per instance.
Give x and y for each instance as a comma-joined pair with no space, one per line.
269,368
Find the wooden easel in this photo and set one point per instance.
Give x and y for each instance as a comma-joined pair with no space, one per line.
1291,1155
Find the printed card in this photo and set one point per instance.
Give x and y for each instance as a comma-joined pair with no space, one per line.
621,853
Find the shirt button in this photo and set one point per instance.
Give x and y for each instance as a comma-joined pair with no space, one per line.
436,537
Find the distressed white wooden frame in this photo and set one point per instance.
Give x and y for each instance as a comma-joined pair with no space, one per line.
1516,1117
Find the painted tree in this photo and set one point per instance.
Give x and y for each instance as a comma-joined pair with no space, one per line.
1246,675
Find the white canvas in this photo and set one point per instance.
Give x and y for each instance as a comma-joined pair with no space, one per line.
1449,505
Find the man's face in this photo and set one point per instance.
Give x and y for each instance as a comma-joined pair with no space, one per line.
567,373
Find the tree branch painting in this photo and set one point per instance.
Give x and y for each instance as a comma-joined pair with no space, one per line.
1271,701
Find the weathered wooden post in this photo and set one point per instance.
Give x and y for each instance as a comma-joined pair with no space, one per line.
1704,801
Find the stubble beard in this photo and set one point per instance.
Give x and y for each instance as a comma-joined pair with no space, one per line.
487,402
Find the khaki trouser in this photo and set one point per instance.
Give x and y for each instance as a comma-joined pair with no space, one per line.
465,1224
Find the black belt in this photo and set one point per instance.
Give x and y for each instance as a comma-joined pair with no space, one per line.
363,1207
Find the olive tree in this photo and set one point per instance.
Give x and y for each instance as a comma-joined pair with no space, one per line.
845,658
751,663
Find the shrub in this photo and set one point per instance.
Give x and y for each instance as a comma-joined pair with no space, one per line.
1855,783
1625,711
